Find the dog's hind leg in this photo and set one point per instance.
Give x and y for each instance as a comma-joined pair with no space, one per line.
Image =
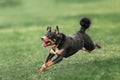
85,50
97,46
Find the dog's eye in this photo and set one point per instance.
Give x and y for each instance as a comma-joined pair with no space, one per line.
49,36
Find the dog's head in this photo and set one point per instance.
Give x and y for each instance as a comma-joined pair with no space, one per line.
51,38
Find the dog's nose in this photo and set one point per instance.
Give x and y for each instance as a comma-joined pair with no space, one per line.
41,38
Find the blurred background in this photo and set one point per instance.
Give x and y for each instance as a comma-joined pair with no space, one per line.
23,22
15,13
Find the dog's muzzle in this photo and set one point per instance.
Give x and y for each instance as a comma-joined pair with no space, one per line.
46,41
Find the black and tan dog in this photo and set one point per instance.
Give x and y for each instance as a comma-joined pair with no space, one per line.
64,46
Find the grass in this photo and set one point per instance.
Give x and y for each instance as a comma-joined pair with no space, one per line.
23,22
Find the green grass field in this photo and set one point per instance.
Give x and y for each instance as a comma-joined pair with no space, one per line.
23,22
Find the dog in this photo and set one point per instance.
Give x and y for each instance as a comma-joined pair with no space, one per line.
64,46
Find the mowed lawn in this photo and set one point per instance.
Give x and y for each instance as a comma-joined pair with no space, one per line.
23,22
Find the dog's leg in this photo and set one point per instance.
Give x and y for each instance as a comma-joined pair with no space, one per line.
97,46
85,50
49,57
50,63
56,60
44,66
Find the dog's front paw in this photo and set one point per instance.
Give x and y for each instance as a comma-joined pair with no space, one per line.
43,68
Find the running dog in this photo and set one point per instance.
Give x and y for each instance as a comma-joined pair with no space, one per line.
64,46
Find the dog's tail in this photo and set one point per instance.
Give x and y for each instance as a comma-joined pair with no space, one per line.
85,23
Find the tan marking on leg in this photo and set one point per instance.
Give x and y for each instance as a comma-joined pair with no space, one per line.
85,50
59,51
49,63
52,51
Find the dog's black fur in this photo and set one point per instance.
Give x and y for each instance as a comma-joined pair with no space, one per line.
69,45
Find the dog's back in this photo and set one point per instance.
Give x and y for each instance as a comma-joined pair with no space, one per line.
73,44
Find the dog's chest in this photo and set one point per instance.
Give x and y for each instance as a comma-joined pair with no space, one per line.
56,51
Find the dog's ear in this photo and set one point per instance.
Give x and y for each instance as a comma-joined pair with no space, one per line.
57,30
49,29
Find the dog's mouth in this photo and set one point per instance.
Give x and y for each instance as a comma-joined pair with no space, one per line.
46,43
